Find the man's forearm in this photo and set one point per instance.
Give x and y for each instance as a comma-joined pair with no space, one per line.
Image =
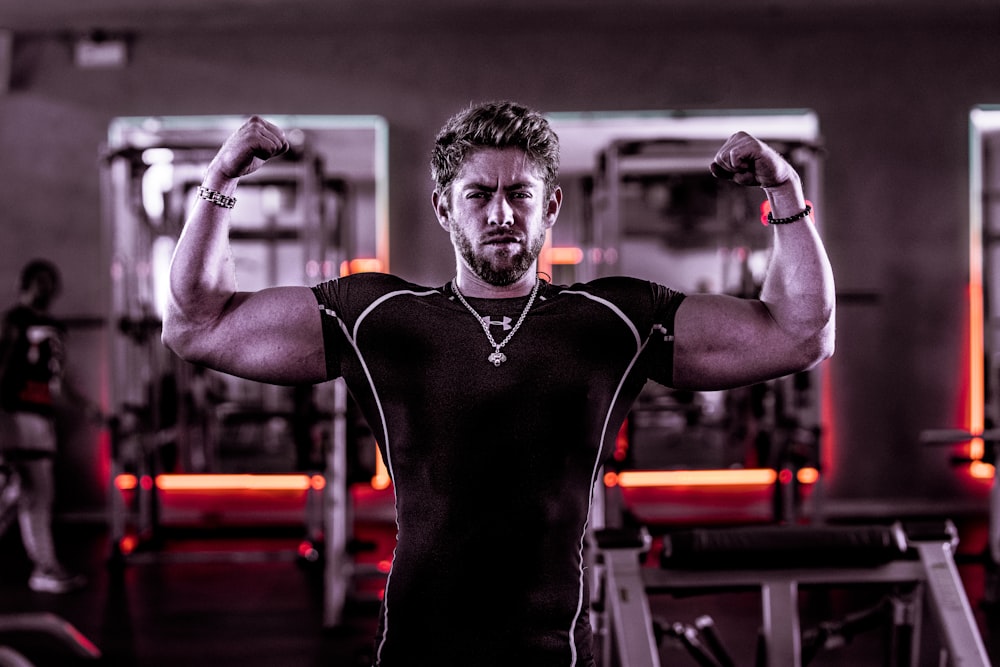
798,288
202,273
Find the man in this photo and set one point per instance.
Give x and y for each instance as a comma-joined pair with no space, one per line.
496,397
31,375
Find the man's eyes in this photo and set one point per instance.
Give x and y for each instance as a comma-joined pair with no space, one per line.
516,194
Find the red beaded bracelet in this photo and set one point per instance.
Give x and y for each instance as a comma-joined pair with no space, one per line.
771,220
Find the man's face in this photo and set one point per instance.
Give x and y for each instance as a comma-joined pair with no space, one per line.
497,213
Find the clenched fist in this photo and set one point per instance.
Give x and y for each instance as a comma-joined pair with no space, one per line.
249,147
746,160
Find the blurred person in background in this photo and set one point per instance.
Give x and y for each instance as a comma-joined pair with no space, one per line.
32,364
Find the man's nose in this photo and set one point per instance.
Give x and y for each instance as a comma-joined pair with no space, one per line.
500,212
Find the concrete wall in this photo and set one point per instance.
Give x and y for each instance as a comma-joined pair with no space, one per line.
892,96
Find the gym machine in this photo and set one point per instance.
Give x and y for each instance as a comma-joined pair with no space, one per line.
658,213
777,560
310,216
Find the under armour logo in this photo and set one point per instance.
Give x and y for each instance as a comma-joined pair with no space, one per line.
505,322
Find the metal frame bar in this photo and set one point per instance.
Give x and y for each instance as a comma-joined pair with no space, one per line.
629,584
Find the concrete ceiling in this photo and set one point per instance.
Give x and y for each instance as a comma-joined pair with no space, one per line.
45,16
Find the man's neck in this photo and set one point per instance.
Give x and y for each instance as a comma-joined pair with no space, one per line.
471,285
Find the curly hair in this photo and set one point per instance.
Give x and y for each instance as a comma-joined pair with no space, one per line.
502,124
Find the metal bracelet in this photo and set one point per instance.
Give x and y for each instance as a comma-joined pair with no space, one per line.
217,198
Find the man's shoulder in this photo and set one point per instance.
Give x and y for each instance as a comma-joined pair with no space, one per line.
386,280
633,296
612,283
366,287
613,287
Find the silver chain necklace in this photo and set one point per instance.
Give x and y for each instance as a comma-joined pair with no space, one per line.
497,357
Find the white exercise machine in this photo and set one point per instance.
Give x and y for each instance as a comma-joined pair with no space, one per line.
777,560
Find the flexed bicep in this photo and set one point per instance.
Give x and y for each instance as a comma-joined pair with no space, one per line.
274,335
722,341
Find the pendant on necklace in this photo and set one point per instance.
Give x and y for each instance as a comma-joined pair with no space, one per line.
497,357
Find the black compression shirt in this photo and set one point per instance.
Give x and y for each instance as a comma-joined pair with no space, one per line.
493,466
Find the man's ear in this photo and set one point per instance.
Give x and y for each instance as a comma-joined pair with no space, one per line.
442,208
552,207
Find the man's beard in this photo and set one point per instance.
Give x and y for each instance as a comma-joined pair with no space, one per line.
489,269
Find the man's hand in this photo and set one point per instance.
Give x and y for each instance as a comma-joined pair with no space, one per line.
746,160
248,148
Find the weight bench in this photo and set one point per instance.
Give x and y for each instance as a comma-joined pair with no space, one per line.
776,560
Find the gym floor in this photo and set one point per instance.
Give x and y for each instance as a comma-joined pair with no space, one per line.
246,601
